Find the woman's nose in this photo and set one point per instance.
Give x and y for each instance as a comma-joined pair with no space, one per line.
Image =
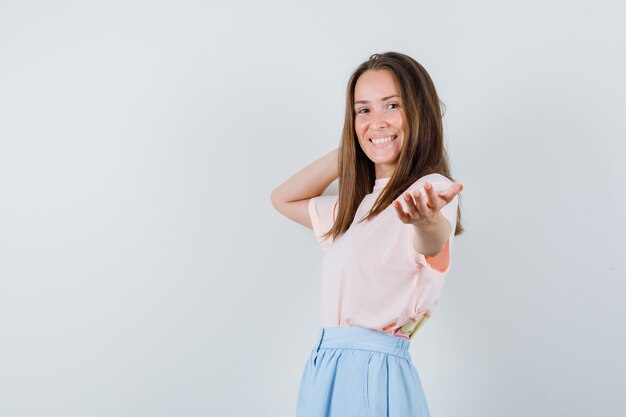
378,120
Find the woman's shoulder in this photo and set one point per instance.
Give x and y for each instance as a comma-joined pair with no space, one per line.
434,178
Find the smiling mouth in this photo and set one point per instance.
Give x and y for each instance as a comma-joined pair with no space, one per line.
381,142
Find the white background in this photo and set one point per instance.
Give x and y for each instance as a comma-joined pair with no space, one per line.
144,271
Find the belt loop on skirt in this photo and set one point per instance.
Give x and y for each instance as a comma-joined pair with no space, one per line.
320,337
402,345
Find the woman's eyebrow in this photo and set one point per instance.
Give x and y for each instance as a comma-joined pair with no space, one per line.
382,99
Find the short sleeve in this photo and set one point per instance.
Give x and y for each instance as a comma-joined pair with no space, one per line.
441,261
323,212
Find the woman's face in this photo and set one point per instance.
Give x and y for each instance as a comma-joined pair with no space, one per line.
379,115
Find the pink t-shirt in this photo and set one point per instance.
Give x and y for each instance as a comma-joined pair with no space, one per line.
371,275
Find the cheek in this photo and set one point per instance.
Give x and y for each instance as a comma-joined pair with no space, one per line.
400,125
399,120
360,129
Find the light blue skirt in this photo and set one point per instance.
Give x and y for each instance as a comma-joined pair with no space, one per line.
357,372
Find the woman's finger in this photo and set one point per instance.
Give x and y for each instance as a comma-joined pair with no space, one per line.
451,192
404,216
413,209
420,201
434,201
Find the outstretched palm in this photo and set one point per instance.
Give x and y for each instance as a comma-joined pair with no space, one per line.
423,207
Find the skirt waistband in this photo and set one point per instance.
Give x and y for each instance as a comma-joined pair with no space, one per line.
364,339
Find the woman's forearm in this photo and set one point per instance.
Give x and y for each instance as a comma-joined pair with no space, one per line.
429,239
310,181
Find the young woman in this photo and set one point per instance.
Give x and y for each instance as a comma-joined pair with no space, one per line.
387,240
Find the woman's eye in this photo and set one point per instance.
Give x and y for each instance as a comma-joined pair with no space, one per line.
360,111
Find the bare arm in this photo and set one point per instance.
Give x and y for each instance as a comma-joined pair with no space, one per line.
291,198
429,239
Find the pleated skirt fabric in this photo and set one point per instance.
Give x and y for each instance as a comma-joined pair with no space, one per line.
357,372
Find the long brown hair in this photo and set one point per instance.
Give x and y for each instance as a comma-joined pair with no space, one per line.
422,152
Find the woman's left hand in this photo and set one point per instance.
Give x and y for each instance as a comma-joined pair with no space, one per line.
423,207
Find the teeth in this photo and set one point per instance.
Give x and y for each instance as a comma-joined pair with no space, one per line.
383,140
